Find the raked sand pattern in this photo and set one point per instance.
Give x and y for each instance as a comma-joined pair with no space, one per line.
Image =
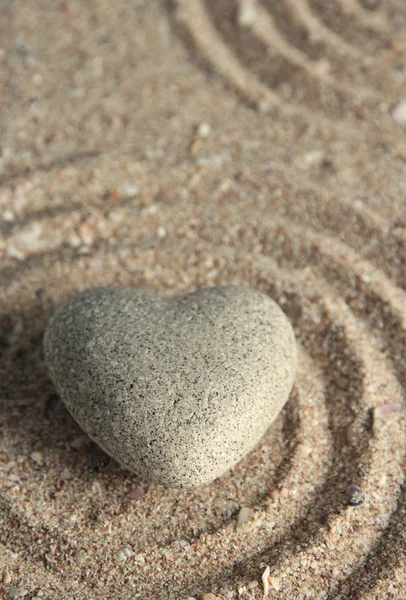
175,145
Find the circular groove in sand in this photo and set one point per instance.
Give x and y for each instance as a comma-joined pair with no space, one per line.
334,305
373,20
266,31
364,320
297,463
318,30
37,235
383,459
196,17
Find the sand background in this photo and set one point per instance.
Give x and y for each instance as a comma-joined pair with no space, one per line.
173,145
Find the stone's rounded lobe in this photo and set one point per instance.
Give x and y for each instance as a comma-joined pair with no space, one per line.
176,390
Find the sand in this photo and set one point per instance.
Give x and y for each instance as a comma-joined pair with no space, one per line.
175,145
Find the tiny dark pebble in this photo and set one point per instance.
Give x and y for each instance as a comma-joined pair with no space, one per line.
355,495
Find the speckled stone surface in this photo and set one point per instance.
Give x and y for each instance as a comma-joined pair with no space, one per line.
177,391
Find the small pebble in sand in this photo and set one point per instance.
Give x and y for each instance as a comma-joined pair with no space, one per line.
6,576
8,216
37,457
204,130
17,592
399,113
387,409
275,583
161,233
139,558
209,596
129,190
244,517
97,489
136,493
247,13
313,158
355,495
107,529
265,580
252,584
80,442
121,557
264,107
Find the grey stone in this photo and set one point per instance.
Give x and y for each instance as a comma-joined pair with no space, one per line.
179,390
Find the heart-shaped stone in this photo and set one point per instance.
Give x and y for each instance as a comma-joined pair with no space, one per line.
176,390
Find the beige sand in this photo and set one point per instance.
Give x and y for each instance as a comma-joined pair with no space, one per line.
172,145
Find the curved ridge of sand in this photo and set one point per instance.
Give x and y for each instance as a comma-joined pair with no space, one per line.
172,145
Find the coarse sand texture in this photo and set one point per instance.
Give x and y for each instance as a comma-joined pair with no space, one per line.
168,146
